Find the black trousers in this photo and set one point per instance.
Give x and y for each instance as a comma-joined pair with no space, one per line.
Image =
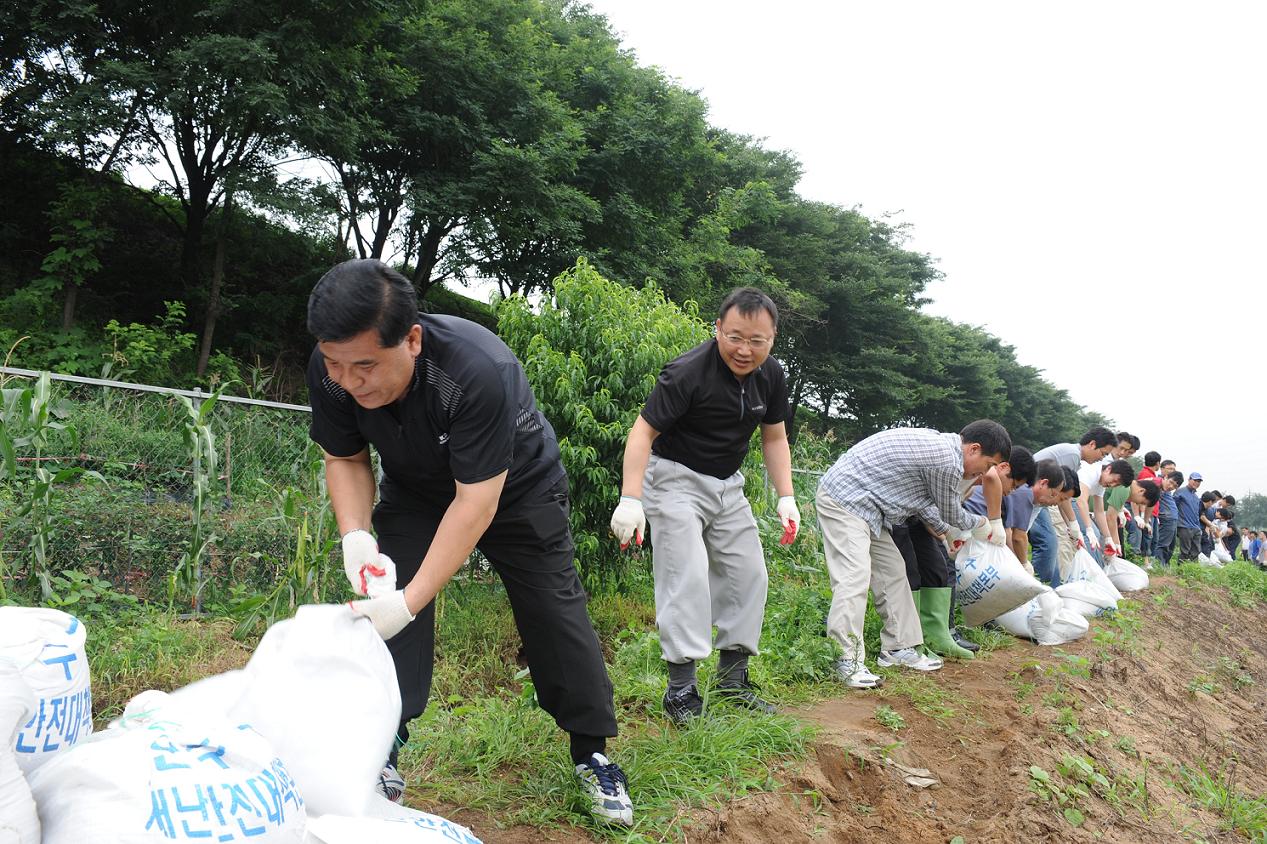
927,561
530,546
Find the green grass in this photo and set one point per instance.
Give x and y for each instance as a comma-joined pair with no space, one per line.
1216,790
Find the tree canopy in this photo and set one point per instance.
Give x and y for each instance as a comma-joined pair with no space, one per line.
221,154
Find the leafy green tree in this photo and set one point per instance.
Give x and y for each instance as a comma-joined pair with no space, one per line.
592,354
1251,511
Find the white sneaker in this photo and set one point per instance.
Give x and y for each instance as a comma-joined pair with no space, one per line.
856,675
909,658
605,785
391,784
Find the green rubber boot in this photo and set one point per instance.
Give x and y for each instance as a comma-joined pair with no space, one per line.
934,618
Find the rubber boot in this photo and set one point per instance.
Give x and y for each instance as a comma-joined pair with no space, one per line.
934,617
966,644
923,646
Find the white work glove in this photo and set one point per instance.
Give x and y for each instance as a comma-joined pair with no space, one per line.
1111,549
790,516
998,535
1147,527
957,539
1074,533
982,530
361,560
628,521
1092,541
389,614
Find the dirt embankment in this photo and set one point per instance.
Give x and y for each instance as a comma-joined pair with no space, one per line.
1181,680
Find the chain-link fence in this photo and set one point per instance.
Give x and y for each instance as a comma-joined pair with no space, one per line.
128,516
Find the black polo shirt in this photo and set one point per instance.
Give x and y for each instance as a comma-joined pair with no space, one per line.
706,416
468,416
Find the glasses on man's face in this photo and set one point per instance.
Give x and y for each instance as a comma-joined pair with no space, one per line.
757,344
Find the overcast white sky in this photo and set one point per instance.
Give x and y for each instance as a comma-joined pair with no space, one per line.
1090,176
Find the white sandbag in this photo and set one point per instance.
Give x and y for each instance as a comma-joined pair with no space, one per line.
48,648
321,687
1220,553
1045,620
1084,567
990,581
166,772
19,822
1087,599
1125,575
387,823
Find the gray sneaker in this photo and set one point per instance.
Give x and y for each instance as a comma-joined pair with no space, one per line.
855,675
605,785
909,658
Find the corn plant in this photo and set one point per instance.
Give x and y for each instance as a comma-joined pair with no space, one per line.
186,578
28,418
308,575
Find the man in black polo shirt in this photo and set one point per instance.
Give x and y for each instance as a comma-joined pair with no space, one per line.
467,461
681,464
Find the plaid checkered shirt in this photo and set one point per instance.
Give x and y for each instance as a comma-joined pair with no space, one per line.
899,473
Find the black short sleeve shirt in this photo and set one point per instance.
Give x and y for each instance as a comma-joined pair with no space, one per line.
468,416
706,416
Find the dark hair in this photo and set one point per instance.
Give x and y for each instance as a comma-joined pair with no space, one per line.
1207,497
1229,500
1071,484
1124,471
1216,493
748,300
1152,458
990,435
1177,477
1166,463
1021,462
1099,435
1223,513
1151,491
1051,472
1129,439
358,295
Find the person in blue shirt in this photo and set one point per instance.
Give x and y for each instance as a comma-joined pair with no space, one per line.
1188,503
1167,519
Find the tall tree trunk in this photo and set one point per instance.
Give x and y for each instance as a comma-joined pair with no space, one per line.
217,284
792,429
70,292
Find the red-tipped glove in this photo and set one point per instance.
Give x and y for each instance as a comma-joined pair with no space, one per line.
628,521
790,516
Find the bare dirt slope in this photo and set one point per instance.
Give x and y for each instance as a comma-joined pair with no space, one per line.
1178,679
1182,685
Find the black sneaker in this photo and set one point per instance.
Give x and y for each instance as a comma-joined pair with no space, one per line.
966,644
683,705
743,692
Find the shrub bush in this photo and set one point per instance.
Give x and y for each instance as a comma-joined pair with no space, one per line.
592,354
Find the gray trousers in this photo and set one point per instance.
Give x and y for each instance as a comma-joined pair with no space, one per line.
856,560
707,559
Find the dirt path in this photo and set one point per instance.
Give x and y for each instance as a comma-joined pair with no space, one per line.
1180,680
1185,687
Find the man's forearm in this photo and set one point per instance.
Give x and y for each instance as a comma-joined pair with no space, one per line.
637,454
463,524
778,462
350,484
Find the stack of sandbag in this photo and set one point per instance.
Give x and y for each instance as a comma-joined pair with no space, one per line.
19,823
1125,575
990,581
168,771
1045,619
47,646
321,687
387,823
1087,590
